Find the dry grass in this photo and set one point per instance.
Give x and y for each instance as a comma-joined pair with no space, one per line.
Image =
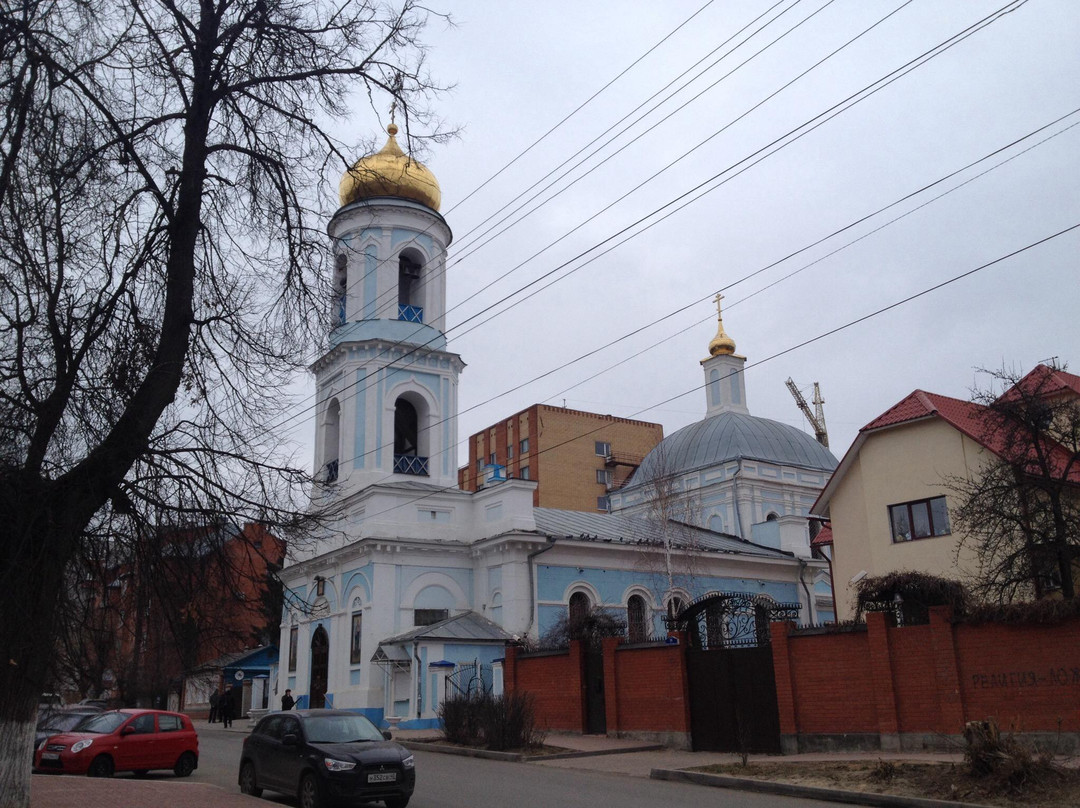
1050,787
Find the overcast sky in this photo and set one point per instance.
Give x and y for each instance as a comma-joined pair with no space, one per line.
520,68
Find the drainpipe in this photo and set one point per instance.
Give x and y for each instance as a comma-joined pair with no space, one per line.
419,674
809,599
532,586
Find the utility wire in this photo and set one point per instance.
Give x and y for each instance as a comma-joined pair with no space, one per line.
704,188
784,352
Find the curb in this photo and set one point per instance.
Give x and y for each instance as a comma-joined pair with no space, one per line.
518,757
809,792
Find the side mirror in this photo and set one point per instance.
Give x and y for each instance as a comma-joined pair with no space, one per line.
290,739
386,734
128,730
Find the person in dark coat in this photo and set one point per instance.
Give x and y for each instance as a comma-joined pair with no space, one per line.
287,701
225,705
215,697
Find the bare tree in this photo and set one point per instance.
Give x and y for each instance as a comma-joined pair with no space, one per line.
1021,514
670,549
161,246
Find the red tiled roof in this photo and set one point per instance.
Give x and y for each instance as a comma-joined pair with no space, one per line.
1045,381
823,537
980,423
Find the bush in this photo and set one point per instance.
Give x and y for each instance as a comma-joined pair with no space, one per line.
989,754
498,723
911,593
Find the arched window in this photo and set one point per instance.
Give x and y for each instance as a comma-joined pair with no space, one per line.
636,619
772,517
579,609
331,441
410,307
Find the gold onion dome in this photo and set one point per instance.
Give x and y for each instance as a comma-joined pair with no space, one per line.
721,343
390,172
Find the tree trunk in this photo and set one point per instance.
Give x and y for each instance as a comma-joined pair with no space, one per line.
35,552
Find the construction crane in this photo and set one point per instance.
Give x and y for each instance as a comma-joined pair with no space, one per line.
815,417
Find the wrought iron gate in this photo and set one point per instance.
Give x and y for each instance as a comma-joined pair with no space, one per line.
730,671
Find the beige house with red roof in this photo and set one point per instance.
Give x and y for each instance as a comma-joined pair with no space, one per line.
888,502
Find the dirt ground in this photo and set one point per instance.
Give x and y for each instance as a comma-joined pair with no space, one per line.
1045,787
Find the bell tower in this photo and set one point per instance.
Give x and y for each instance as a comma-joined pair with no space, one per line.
386,386
725,384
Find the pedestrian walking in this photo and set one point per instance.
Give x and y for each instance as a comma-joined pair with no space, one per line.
215,698
226,707
287,701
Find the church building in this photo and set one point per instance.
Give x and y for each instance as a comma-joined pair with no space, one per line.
417,588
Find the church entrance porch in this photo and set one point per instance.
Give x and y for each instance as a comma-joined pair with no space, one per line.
729,666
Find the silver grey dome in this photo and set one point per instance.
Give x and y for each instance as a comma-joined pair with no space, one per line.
729,436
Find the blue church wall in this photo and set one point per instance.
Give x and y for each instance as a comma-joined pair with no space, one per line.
766,534
462,577
448,437
361,578
360,442
371,277
400,235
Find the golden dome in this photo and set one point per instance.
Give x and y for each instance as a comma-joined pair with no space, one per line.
390,172
721,343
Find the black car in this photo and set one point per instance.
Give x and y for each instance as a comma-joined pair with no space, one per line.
326,757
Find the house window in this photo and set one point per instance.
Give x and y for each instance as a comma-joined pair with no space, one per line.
320,587
603,476
355,657
491,458
479,464
636,630
525,473
524,445
292,649
427,617
603,448
509,451
603,504
919,519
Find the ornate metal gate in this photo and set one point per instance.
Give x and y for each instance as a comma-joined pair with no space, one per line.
730,671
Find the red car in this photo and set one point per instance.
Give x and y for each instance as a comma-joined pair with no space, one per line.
123,740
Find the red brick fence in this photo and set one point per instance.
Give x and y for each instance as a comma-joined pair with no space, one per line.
871,687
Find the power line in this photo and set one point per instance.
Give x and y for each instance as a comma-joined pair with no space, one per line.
803,344
707,186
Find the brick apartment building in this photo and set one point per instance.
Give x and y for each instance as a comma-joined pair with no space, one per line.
575,457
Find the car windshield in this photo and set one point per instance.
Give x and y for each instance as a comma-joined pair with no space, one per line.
104,723
65,721
340,729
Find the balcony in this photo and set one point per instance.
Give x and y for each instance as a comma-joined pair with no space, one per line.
410,314
622,459
411,464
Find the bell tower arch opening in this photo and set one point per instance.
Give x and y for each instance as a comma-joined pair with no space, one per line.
410,286
411,435
332,441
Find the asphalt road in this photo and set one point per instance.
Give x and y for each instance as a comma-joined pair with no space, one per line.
449,781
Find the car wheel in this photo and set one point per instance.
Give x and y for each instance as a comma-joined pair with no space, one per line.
185,765
310,793
101,766
248,783
396,802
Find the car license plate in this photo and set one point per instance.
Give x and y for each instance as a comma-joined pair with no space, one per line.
50,755
382,777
